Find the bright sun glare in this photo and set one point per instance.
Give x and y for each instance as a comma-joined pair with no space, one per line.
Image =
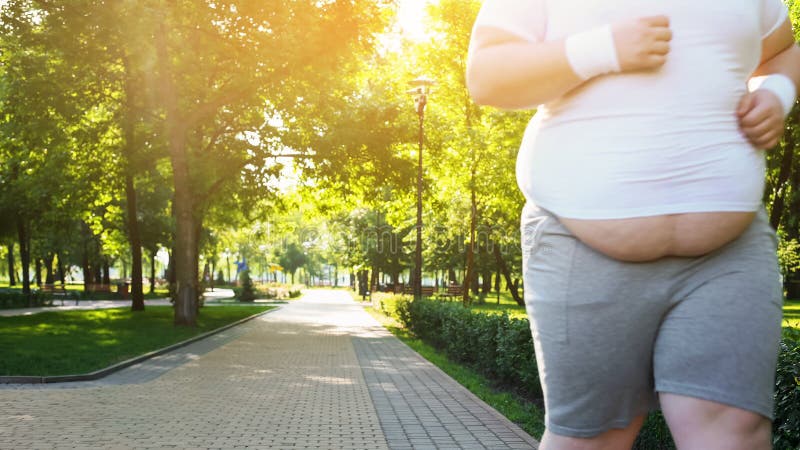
410,16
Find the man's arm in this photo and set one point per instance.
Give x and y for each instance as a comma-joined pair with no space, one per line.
780,54
761,112
506,71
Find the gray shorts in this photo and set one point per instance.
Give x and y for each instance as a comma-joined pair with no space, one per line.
610,335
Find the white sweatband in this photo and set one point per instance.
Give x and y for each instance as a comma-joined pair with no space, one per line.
592,53
780,85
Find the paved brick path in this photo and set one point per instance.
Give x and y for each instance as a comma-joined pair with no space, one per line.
317,373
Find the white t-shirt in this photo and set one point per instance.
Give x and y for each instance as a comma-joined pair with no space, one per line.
647,143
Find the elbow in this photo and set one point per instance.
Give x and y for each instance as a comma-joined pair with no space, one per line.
486,89
485,93
479,94
479,88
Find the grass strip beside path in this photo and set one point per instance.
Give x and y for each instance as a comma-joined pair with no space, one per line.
75,342
516,409
791,313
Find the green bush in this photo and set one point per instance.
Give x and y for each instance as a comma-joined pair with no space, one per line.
247,292
654,435
494,344
502,349
16,299
786,427
516,359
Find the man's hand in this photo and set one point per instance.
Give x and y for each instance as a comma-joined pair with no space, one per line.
760,116
642,44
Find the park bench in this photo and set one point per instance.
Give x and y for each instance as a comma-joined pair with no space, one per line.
453,291
98,288
56,292
427,291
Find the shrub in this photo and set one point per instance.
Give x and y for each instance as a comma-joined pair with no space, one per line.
516,359
494,344
786,427
654,435
16,299
247,292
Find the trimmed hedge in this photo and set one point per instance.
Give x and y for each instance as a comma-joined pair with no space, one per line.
786,427
494,344
16,299
502,349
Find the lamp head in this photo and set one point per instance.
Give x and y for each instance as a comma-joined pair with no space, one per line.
420,88
421,85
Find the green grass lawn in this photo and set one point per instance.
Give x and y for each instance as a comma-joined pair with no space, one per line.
791,313
74,342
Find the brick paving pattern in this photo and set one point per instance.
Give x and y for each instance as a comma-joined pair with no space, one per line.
420,406
319,373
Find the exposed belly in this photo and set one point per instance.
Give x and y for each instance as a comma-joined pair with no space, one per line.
648,238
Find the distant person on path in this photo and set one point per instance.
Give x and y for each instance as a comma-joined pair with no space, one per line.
650,268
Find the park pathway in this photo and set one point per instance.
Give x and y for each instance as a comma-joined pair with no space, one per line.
319,373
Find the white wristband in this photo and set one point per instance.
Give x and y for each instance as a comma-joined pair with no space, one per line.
780,85
592,53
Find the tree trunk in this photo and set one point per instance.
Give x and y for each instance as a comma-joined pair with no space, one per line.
184,257
25,257
132,219
373,282
12,277
87,273
776,211
212,274
107,272
171,269
61,272
197,227
134,237
49,277
793,202
487,282
471,249
37,274
153,271
497,284
504,270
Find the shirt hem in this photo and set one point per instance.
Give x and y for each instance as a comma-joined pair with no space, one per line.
660,210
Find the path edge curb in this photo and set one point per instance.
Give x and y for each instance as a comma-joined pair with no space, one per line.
101,373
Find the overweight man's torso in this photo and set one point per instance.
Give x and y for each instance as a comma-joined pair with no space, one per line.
650,164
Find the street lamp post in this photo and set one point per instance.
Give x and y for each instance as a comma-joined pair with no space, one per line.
420,88
227,255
